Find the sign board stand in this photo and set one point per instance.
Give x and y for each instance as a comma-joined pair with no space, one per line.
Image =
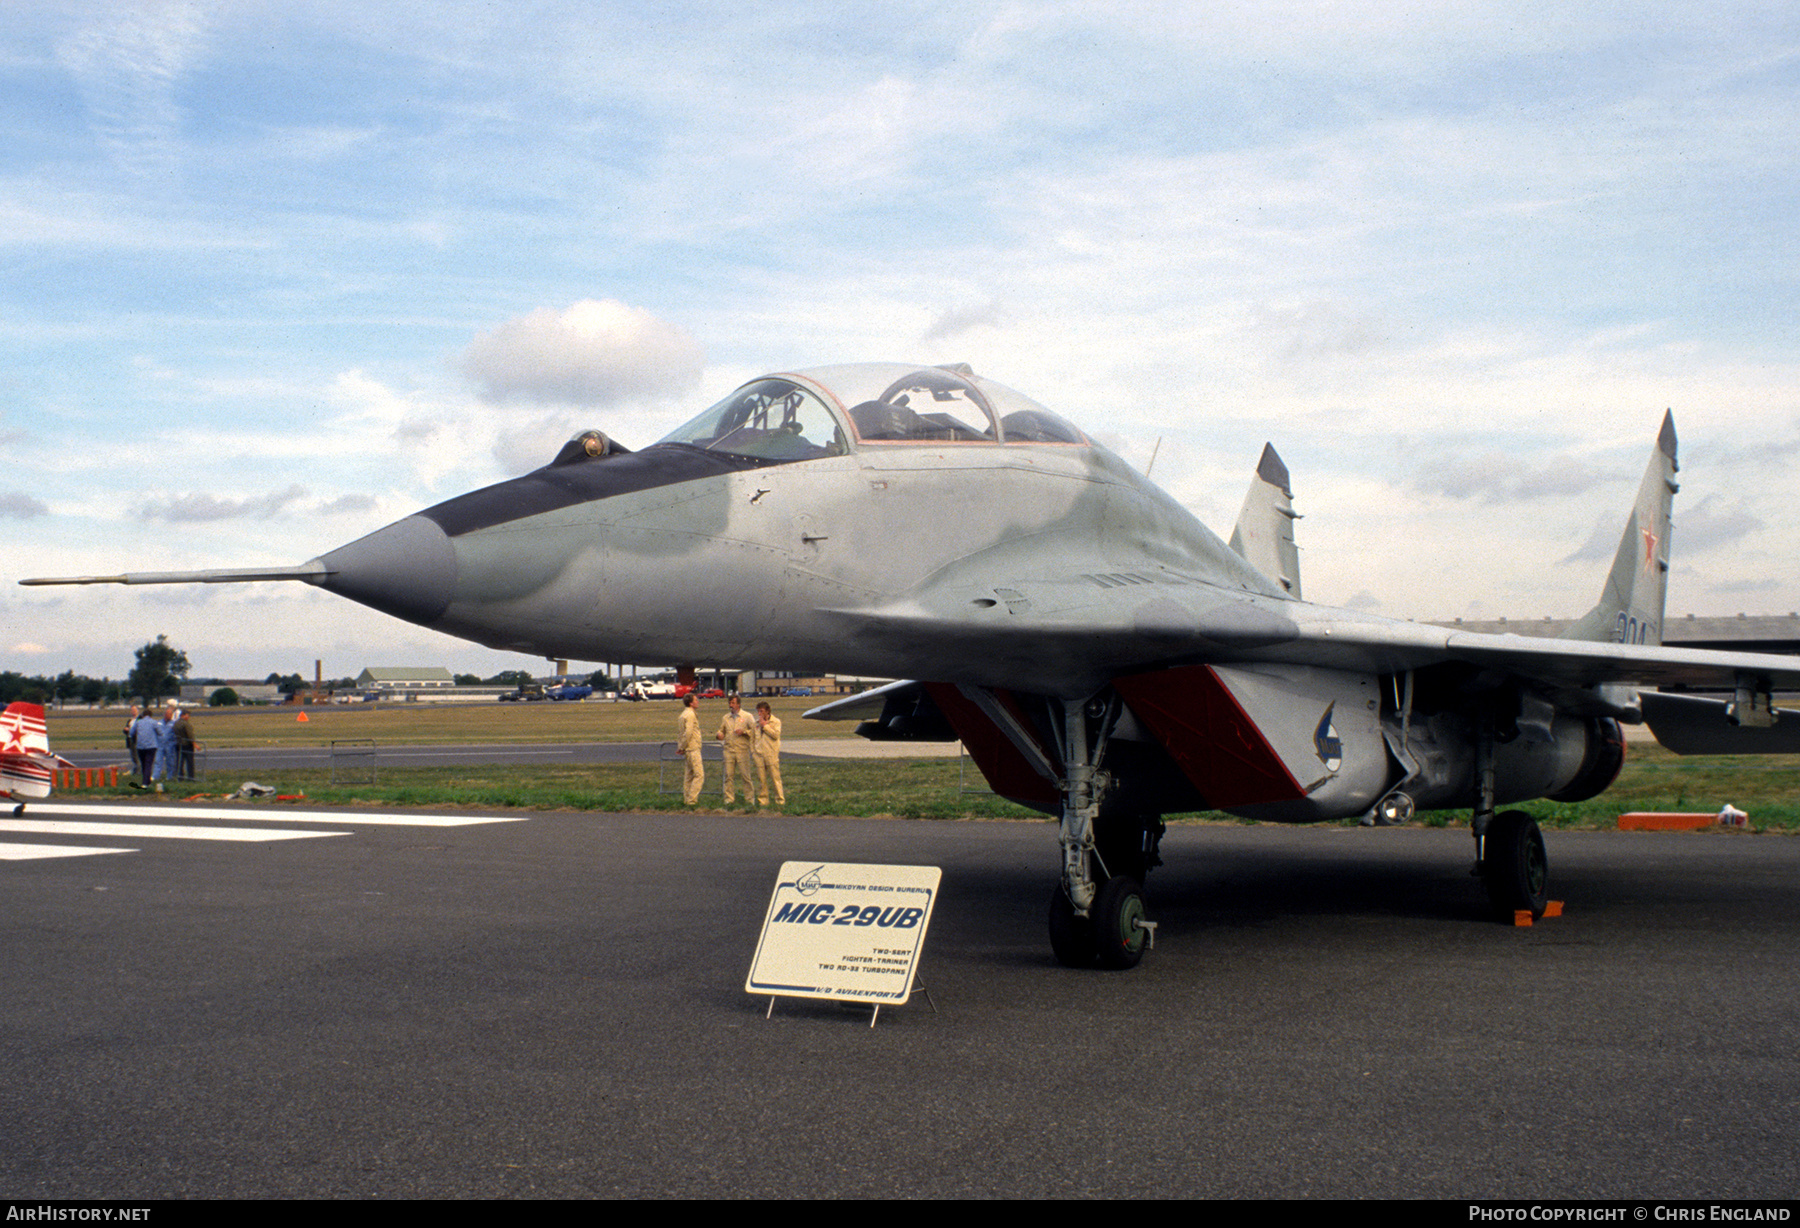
843,931
875,1008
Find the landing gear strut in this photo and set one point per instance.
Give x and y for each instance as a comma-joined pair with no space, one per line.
1097,910
1509,849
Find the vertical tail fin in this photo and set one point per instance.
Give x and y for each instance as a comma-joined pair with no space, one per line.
1264,535
1631,606
22,729
24,751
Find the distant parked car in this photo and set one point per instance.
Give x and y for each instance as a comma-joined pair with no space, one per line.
714,693
798,690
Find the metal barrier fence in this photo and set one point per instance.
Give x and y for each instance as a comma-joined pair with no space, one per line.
710,753
86,778
186,767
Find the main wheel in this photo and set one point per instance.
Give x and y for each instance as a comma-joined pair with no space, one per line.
1118,907
1071,937
1514,867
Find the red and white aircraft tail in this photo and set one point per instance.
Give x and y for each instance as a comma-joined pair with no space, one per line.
25,758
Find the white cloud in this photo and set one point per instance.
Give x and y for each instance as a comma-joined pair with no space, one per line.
17,506
1709,524
595,353
412,442
1498,477
528,445
348,505
959,320
127,63
1602,544
201,506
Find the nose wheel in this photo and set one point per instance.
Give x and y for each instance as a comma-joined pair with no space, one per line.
1120,930
1114,935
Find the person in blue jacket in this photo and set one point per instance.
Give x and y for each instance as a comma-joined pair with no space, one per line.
165,746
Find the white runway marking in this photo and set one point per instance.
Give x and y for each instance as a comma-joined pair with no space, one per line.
155,831
283,815
139,821
35,852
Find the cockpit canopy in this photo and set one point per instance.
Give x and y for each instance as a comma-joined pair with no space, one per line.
772,419
815,413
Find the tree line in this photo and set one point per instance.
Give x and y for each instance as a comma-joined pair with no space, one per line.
162,669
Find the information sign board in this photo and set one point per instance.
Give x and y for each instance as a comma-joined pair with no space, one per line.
846,931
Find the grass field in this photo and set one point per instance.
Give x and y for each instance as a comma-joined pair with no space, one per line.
886,788
404,724
1653,779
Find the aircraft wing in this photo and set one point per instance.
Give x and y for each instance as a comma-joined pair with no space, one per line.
1073,635
863,706
1695,725
1554,662
1036,638
1073,654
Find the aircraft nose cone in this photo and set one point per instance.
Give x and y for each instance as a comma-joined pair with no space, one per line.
407,569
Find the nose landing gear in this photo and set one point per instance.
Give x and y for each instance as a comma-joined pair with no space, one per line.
1098,920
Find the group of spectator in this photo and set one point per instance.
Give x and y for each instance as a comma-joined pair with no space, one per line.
164,748
748,740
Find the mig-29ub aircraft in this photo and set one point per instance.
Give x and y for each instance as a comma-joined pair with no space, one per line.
1103,655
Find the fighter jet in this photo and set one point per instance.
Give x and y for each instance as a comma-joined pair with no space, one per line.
1103,655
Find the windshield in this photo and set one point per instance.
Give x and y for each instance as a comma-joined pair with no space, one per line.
770,419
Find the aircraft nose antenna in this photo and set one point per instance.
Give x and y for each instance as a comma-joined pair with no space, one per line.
407,569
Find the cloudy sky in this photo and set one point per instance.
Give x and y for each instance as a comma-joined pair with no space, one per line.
273,274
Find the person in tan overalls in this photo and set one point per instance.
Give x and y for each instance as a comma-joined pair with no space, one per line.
738,732
687,743
768,755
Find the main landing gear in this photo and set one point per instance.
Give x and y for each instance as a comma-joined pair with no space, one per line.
1509,849
1514,868
1097,916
